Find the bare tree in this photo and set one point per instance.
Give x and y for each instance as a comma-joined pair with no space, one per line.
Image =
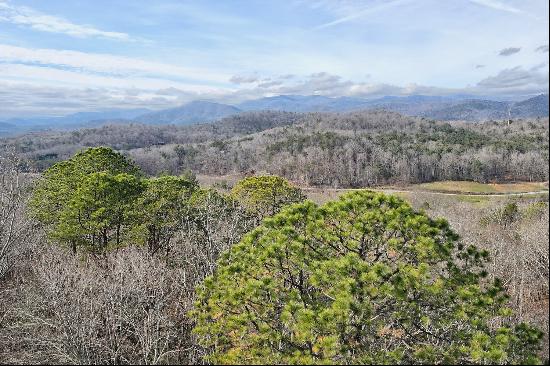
129,308
16,230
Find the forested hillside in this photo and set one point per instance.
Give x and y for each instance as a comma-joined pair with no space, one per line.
353,149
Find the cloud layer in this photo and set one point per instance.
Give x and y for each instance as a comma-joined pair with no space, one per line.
42,93
517,79
104,64
28,17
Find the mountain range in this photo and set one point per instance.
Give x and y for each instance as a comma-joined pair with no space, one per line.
446,108
194,112
71,121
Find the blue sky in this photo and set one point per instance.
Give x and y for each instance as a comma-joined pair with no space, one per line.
59,57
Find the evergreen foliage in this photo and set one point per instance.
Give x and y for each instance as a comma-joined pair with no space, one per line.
265,195
85,200
158,211
361,280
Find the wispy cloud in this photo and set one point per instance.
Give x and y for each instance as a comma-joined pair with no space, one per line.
543,49
25,16
356,12
105,64
46,96
497,5
509,51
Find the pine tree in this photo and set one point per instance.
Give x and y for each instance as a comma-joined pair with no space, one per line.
361,280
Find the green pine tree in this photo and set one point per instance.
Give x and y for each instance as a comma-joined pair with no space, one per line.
361,280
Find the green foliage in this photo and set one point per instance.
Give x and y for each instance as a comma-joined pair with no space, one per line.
361,280
84,200
510,213
98,213
158,211
265,195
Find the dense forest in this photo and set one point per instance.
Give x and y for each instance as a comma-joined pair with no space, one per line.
356,149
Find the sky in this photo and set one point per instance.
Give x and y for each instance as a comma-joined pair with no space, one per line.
61,57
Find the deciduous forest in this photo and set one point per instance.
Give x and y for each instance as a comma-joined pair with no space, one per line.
345,150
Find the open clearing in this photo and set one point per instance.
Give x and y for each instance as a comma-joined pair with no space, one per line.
464,191
467,187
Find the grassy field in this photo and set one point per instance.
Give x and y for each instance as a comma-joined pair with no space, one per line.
470,193
321,195
457,187
481,188
217,181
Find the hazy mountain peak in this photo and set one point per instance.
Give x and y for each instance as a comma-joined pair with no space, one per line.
198,111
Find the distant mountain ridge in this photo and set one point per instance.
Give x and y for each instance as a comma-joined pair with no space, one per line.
194,112
301,103
446,108
470,110
533,107
71,121
455,107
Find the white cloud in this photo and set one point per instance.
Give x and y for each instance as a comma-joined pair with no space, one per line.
517,79
243,79
77,79
42,93
48,81
25,16
24,99
105,64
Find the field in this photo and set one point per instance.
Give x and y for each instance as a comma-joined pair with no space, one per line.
462,191
480,188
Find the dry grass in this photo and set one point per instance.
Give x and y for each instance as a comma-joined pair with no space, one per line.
480,188
458,187
219,180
